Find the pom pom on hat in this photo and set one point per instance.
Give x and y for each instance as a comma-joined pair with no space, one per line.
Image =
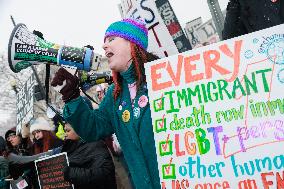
40,124
133,30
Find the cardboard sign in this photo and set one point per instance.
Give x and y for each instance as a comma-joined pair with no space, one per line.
207,33
217,114
25,102
50,172
190,30
160,41
172,23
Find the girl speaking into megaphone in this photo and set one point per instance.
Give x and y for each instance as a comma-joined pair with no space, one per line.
125,108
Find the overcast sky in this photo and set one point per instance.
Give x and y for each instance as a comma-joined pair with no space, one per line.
78,23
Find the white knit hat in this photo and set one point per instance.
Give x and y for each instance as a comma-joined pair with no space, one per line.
40,124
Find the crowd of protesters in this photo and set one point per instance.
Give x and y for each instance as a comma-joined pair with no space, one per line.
98,164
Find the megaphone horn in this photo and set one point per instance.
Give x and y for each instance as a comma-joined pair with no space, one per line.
26,49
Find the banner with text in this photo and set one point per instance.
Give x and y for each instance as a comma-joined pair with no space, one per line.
190,31
50,171
25,102
217,114
160,40
168,15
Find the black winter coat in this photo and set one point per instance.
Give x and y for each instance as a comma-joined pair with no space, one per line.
246,16
90,165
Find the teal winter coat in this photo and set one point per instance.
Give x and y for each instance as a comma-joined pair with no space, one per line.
132,125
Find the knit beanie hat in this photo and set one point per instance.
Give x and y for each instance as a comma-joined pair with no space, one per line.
10,132
40,124
133,30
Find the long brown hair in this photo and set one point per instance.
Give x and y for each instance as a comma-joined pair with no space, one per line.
48,141
139,57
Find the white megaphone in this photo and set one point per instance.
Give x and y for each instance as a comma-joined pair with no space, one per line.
26,49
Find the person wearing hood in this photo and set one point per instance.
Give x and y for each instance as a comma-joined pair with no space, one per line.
125,109
43,136
90,164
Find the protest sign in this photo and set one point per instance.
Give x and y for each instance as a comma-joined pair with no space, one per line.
50,171
190,30
207,33
172,23
25,102
217,114
160,41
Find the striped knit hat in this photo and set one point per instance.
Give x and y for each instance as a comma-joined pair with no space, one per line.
130,29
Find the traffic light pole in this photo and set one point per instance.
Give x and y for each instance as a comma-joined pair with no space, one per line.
217,16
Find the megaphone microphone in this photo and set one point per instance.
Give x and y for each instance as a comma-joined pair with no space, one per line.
26,49
88,80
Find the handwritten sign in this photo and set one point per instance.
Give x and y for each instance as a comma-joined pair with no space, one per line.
172,23
160,40
25,102
50,172
217,114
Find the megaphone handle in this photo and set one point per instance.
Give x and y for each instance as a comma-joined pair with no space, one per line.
96,60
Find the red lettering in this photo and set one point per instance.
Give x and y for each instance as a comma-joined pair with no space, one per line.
236,56
211,58
188,68
266,183
280,180
184,184
178,152
155,76
175,77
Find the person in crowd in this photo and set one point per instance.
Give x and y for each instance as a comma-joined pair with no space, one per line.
90,164
125,109
43,136
4,172
16,143
19,144
245,16
101,90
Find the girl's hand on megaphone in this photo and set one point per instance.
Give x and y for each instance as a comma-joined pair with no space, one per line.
66,84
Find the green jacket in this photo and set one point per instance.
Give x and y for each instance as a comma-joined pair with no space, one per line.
134,133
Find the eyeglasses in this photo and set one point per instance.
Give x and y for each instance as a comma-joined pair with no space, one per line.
11,136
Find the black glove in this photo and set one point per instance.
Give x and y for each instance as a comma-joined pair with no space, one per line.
67,84
15,170
66,171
